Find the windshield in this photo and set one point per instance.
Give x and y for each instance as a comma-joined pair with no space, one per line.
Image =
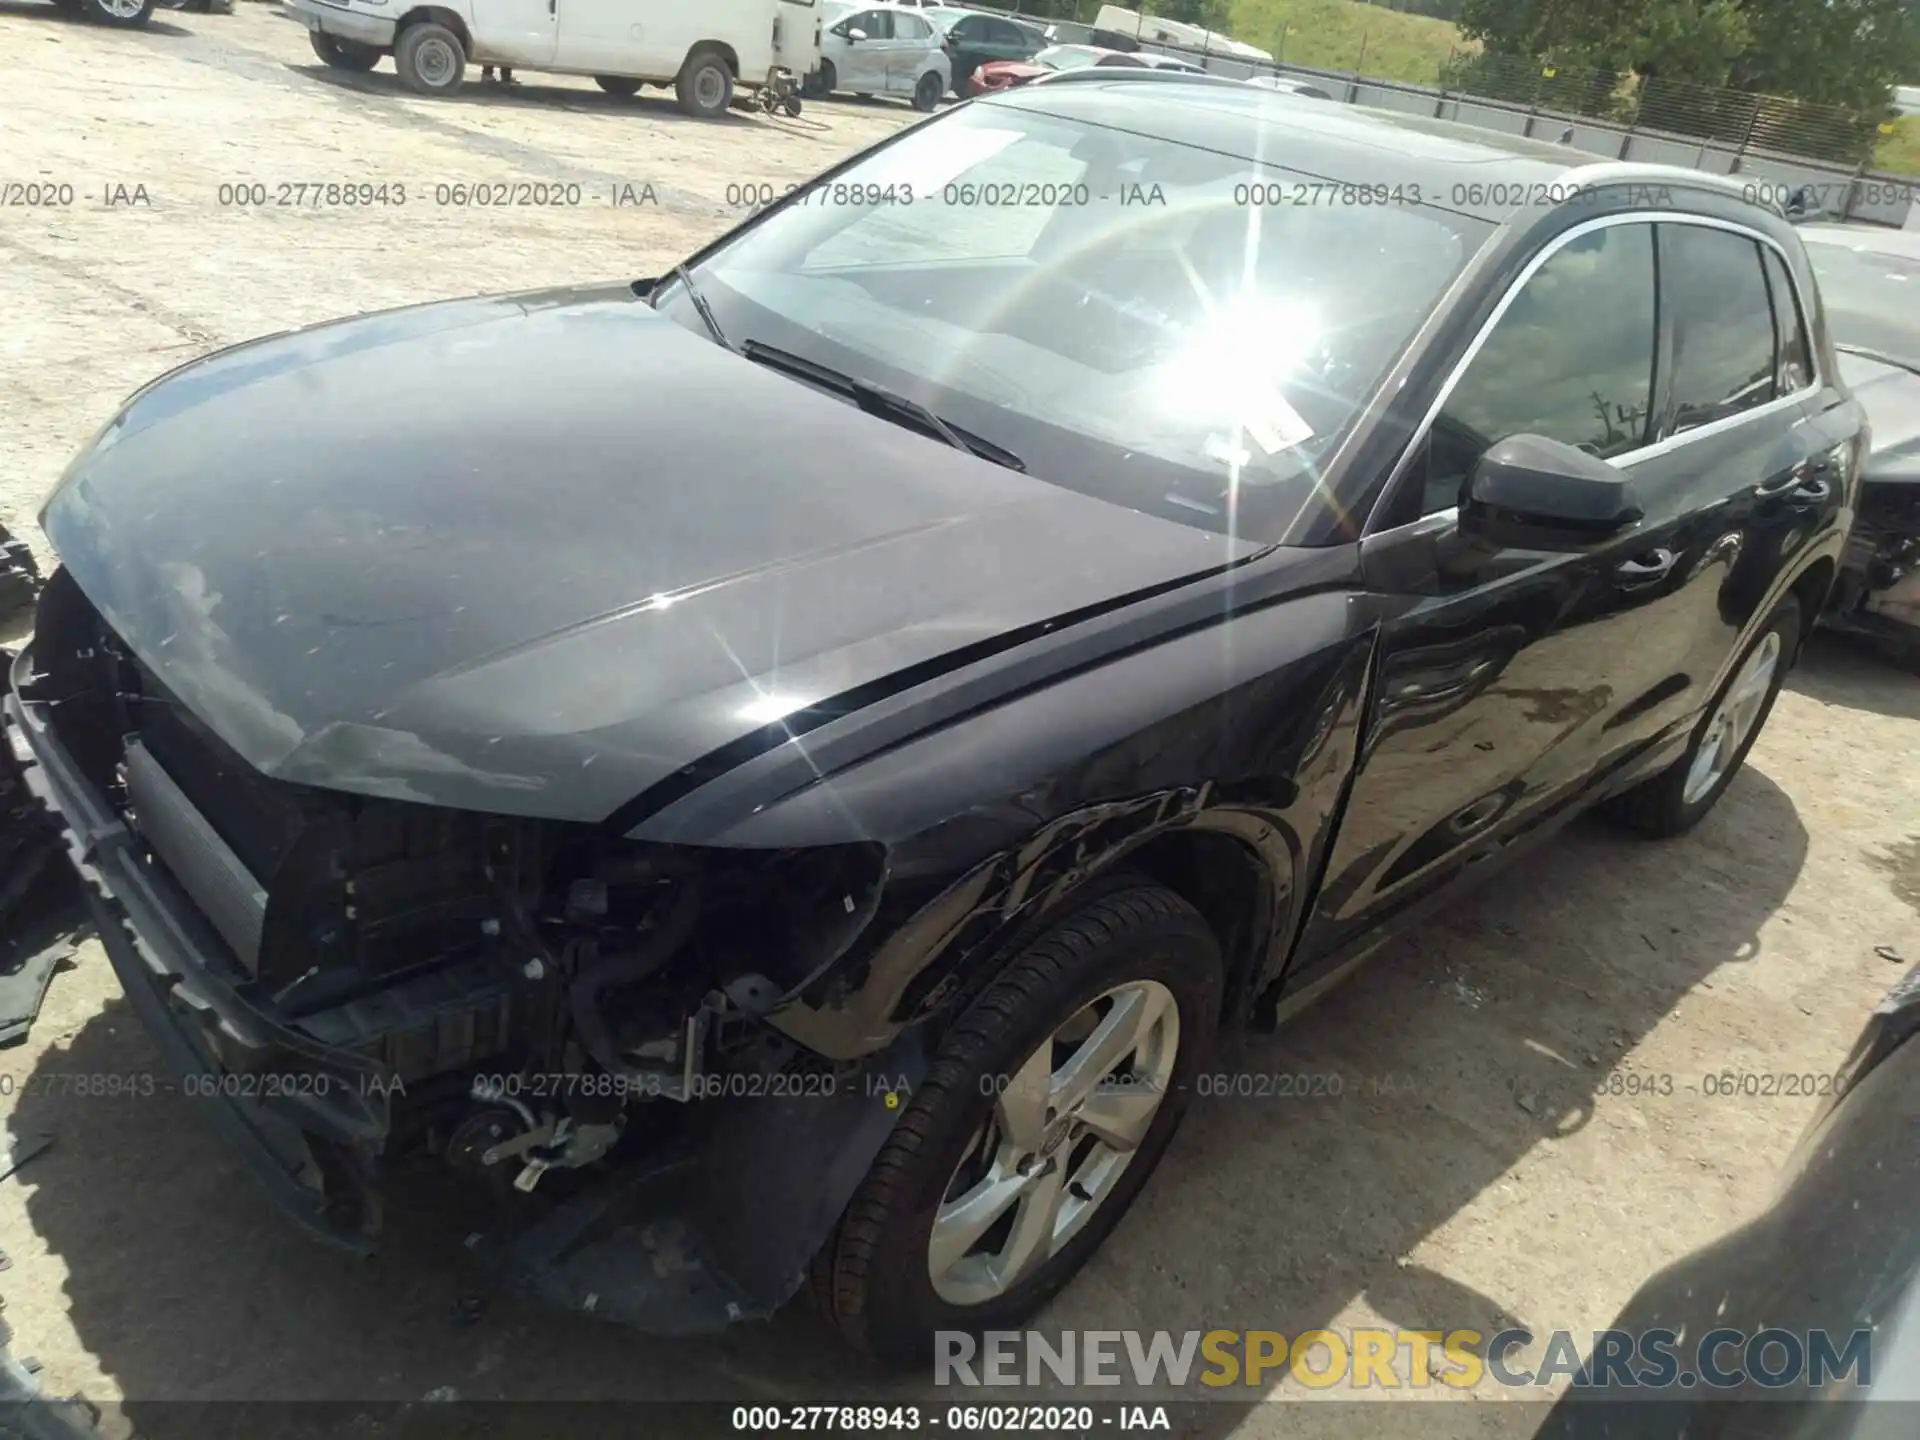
1119,312
1872,297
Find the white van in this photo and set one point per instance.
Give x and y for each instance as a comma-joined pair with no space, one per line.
703,48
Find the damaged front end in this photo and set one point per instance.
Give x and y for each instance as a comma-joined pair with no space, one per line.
579,1031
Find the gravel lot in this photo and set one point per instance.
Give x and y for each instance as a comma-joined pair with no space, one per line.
1483,1162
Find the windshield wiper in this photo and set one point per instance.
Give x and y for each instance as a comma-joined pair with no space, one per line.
700,306
878,400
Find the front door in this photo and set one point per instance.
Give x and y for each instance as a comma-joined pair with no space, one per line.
518,32
863,67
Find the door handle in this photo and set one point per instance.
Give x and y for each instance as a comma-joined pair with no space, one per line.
1647,568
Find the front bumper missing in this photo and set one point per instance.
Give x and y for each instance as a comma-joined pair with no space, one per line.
684,1241
265,1086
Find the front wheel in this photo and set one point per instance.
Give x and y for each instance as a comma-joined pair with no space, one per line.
1048,1105
124,14
343,54
824,79
926,94
705,86
1679,797
430,58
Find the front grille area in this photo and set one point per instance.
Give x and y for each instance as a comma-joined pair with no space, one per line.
221,886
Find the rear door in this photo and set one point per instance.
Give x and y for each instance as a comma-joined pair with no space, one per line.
1507,677
913,39
1742,446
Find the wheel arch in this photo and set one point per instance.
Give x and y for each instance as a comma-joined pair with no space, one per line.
1811,588
438,15
725,51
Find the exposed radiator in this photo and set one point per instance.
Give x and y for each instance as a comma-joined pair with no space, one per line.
198,859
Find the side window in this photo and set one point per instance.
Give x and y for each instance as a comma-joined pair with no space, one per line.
1722,324
971,30
911,27
1571,358
1002,33
1796,353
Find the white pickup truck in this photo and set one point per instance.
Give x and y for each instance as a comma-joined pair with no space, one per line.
703,48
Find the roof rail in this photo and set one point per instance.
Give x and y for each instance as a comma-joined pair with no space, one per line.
1628,172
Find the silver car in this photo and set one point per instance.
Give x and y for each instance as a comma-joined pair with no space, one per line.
882,50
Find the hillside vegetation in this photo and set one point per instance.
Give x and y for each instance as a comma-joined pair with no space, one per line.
1348,35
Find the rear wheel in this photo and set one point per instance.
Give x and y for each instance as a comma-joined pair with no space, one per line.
926,94
705,86
343,54
430,58
1048,1105
619,85
124,14
1679,797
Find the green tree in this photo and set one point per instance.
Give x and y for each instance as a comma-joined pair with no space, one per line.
1839,52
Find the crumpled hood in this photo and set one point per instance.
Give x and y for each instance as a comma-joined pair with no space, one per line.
1891,395
532,554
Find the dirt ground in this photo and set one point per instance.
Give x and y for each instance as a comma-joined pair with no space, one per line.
1482,1163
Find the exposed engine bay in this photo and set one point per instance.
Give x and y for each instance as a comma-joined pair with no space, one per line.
524,998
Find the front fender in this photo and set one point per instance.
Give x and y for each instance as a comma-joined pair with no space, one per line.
1244,730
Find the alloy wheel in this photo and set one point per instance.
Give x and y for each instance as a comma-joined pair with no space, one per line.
1733,719
1063,1129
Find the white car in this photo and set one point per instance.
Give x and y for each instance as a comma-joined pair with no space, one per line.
703,48
882,50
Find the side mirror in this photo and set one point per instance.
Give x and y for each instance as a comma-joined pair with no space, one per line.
1802,204
1532,493
856,34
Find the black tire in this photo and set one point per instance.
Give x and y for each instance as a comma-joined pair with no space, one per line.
872,1278
824,79
620,85
1658,806
793,106
430,58
97,10
927,92
343,54
705,85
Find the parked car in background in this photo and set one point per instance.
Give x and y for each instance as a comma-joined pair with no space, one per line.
124,14
702,48
1835,1255
973,39
882,50
1288,86
1006,74
1067,32
1870,283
